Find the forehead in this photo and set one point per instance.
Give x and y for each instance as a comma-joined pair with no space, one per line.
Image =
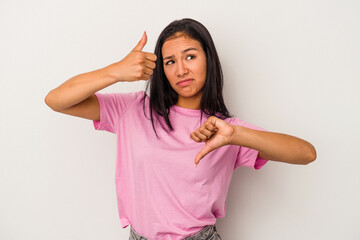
179,43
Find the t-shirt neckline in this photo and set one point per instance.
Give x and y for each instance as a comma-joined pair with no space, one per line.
187,111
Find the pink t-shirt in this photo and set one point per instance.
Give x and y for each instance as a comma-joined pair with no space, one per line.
159,192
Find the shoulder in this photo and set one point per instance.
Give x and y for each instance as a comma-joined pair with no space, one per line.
237,121
139,95
121,100
136,94
233,120
130,96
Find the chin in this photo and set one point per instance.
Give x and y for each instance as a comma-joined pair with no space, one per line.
188,94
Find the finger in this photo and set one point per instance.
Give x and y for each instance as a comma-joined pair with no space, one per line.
210,125
148,71
206,132
145,77
150,64
141,43
195,138
150,56
202,154
200,135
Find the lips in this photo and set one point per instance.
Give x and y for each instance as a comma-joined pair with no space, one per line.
188,79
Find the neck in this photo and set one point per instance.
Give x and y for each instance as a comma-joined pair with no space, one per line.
189,102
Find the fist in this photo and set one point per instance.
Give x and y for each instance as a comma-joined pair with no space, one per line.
215,132
137,65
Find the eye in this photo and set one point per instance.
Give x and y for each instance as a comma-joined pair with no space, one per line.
167,63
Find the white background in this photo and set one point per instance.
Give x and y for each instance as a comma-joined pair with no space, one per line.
290,66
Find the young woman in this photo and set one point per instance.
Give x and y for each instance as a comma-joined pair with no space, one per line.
183,121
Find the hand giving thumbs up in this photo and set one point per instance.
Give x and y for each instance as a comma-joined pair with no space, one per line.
137,65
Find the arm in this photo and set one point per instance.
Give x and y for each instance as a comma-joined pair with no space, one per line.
77,97
274,146
78,89
271,146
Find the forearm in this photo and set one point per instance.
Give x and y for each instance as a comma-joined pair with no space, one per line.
78,88
275,146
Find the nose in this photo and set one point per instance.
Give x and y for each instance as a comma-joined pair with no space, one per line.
181,69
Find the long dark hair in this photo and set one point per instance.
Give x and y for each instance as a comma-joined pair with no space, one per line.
163,96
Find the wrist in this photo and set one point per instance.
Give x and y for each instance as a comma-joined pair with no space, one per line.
111,74
235,138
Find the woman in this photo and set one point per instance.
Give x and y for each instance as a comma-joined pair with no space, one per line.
160,194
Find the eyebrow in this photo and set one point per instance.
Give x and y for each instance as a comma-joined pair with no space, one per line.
186,50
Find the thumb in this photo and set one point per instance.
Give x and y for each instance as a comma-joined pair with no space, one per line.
206,149
141,43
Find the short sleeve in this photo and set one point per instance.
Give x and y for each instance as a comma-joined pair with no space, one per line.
112,107
247,156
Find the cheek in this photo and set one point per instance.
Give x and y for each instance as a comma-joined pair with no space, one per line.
168,75
166,71
203,70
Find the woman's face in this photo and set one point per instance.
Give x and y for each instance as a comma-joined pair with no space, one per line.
184,58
